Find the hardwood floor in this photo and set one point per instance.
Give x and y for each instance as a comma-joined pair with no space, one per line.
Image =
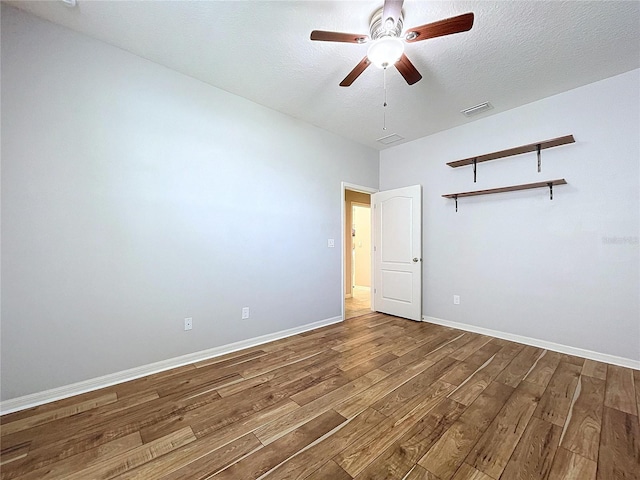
373,397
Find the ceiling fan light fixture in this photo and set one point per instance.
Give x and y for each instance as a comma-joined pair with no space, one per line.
385,51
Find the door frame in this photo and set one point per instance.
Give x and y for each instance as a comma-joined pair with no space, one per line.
356,188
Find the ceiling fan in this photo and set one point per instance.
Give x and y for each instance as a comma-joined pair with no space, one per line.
386,46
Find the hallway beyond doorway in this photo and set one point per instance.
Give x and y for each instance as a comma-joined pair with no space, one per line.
359,303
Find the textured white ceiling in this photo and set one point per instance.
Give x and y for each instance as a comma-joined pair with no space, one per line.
516,53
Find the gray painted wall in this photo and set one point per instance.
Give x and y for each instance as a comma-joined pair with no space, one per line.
134,196
565,271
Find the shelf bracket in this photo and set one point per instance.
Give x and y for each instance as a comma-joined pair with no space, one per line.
539,160
475,162
550,190
455,197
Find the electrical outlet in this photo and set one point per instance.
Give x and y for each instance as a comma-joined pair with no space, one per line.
456,299
245,313
188,323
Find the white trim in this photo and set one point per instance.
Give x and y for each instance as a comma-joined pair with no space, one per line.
556,347
39,398
344,186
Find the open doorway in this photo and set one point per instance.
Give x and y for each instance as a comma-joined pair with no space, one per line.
398,260
360,301
357,253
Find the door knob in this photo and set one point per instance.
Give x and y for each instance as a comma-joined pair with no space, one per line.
415,260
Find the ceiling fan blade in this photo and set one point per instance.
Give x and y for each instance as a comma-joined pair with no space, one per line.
408,70
392,9
458,24
355,73
338,37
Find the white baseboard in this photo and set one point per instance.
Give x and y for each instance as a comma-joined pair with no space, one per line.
556,347
39,398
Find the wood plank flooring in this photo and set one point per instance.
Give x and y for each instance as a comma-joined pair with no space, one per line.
374,397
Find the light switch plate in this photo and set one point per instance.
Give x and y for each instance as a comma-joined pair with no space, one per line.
331,243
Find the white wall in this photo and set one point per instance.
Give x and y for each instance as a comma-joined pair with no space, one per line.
565,271
134,196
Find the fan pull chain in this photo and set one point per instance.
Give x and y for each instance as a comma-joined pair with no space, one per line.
384,105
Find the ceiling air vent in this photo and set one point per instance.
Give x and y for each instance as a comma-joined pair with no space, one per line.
477,109
389,139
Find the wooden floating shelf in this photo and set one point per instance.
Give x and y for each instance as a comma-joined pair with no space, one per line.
532,147
510,188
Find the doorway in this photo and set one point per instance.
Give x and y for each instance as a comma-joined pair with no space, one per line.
357,260
396,280
360,301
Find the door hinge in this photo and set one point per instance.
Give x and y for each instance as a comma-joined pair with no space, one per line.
375,290
374,248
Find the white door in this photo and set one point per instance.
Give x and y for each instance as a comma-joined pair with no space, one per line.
397,255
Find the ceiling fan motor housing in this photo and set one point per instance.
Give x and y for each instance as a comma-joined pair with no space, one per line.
379,27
